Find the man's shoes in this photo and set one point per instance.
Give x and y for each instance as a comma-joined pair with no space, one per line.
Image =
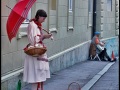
109,60
112,60
101,58
105,59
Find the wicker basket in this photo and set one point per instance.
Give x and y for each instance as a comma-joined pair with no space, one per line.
35,51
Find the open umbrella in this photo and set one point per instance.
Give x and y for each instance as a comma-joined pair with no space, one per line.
17,16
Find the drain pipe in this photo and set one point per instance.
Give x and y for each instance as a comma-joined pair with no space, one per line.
94,17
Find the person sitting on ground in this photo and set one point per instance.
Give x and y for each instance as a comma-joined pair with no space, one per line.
100,47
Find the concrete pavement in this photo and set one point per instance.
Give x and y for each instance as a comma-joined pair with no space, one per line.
84,73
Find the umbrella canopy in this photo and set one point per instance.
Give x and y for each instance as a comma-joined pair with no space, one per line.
17,16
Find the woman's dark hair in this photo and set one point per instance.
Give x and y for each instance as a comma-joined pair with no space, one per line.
40,13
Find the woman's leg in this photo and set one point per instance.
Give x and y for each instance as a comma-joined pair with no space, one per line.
37,86
41,85
34,86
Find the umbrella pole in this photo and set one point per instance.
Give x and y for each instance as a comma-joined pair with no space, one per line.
46,31
8,7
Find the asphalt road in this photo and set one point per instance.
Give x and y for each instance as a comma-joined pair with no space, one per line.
110,80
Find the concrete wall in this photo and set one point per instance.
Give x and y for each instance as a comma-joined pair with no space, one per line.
117,16
70,45
12,53
105,19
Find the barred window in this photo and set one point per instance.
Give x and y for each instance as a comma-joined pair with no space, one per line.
70,5
90,3
109,5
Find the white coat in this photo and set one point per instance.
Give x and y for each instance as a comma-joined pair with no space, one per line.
35,70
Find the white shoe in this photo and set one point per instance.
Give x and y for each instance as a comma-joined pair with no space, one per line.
105,59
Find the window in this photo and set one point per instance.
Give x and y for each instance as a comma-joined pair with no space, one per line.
70,5
90,12
90,3
53,13
71,13
23,26
53,4
28,17
109,5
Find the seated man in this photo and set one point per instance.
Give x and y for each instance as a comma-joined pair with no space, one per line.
100,49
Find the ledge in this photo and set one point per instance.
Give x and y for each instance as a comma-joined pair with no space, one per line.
18,72
89,25
22,31
11,75
21,34
53,30
70,28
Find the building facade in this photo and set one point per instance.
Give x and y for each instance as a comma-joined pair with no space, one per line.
72,23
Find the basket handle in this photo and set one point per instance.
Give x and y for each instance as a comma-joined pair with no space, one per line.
39,42
76,83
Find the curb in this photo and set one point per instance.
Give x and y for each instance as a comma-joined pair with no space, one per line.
97,77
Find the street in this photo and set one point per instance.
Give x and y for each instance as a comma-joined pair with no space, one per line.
110,80
82,73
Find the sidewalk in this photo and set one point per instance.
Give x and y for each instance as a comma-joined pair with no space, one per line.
110,80
81,73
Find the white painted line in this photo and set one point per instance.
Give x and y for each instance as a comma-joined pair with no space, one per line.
97,77
4,78
67,50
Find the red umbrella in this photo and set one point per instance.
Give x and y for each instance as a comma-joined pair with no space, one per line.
17,16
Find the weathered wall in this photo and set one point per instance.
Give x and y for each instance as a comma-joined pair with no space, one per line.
65,39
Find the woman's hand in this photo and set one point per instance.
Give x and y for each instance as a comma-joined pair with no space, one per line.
102,44
47,36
